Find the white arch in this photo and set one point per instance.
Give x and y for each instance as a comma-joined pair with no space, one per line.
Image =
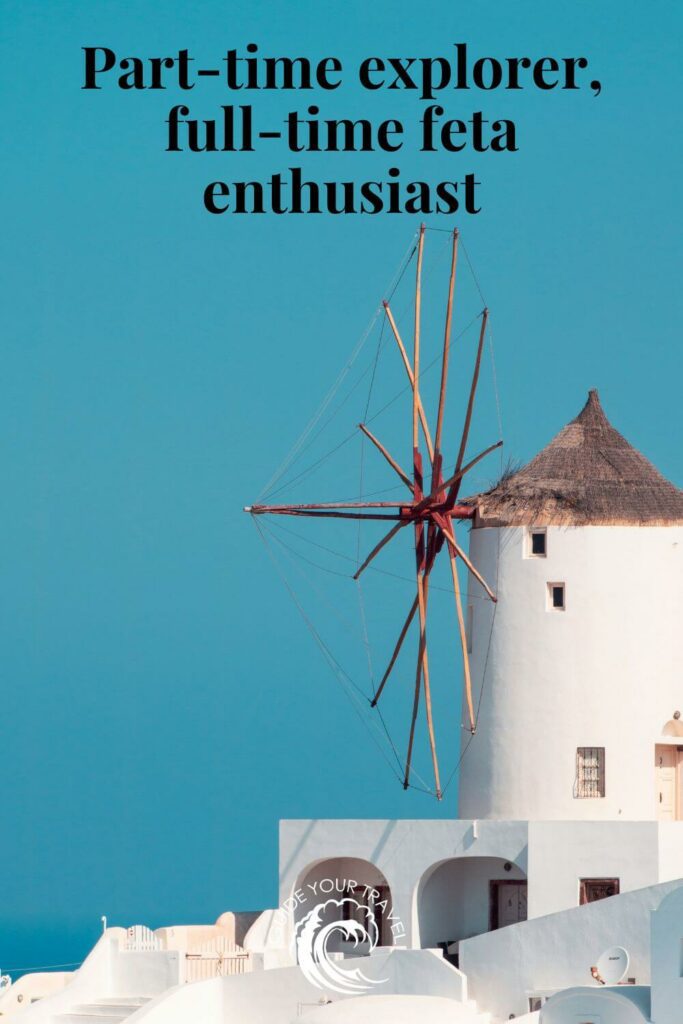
331,878
452,896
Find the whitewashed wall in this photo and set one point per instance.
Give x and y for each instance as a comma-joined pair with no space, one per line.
405,852
282,996
453,901
670,850
92,980
667,959
604,672
200,1002
563,852
624,1005
433,901
29,988
109,971
557,951
394,1010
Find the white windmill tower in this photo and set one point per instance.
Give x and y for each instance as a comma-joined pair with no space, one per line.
578,669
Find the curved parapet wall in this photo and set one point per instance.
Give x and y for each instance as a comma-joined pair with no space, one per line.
285,995
394,1010
507,967
667,951
28,989
624,1004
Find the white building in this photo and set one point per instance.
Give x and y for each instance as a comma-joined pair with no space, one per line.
571,792
571,789
583,687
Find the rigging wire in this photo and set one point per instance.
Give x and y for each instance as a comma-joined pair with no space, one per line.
347,682
337,669
303,447
359,585
484,675
321,430
274,525
346,622
495,607
496,392
484,678
349,437
361,495
423,371
315,565
472,272
44,967
348,558
370,494
366,635
309,469
303,444
287,462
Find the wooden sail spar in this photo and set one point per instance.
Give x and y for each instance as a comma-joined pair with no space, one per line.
432,515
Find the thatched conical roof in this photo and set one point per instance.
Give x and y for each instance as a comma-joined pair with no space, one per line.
588,474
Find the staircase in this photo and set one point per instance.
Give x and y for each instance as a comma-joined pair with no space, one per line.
105,1011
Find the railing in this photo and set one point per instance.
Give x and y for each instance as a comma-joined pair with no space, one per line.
140,939
302,1008
217,958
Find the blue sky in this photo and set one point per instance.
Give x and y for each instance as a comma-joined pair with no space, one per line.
163,703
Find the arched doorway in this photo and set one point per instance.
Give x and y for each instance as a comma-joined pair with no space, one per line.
348,889
466,896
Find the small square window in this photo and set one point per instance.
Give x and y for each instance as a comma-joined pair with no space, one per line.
538,543
590,773
593,889
556,597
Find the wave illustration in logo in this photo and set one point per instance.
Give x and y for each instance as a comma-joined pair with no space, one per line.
346,919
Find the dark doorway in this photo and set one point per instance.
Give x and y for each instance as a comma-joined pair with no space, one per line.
507,902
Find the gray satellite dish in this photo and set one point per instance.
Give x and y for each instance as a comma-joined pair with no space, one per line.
613,965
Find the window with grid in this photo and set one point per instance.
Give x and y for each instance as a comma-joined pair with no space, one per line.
590,772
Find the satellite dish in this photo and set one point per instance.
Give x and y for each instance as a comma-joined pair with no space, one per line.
613,965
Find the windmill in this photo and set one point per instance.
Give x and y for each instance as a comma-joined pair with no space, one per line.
432,510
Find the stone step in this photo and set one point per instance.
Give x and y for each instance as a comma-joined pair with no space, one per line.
103,1017
128,1000
109,1010
113,1004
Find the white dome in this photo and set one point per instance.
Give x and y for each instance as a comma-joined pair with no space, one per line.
625,1004
391,1010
